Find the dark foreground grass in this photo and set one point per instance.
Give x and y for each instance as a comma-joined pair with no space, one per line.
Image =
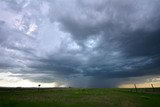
76,98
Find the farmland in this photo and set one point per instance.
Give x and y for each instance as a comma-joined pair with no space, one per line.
77,97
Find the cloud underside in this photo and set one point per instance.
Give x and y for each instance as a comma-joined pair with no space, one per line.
83,43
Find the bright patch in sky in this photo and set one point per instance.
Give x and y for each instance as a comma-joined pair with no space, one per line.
14,80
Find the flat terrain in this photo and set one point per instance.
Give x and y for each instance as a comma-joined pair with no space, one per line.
71,97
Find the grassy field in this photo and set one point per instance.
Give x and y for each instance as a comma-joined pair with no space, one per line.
71,97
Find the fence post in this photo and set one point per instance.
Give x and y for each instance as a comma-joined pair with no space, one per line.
152,87
135,87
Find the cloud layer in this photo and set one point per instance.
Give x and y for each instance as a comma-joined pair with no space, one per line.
80,43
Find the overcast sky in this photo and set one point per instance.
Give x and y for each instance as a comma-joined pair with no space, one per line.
79,43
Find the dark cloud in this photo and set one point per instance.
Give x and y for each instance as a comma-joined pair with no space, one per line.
142,43
100,43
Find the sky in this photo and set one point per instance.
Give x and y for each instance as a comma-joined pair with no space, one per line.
79,43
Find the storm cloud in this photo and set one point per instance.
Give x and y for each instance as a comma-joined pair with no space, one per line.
81,43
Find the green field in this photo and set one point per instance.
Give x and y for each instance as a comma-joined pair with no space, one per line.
71,97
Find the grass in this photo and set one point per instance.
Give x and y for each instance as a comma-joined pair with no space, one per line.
71,97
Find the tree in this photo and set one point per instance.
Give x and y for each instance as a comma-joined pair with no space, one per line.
39,85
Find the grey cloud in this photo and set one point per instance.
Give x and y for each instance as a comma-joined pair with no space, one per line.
110,40
84,21
58,65
142,43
